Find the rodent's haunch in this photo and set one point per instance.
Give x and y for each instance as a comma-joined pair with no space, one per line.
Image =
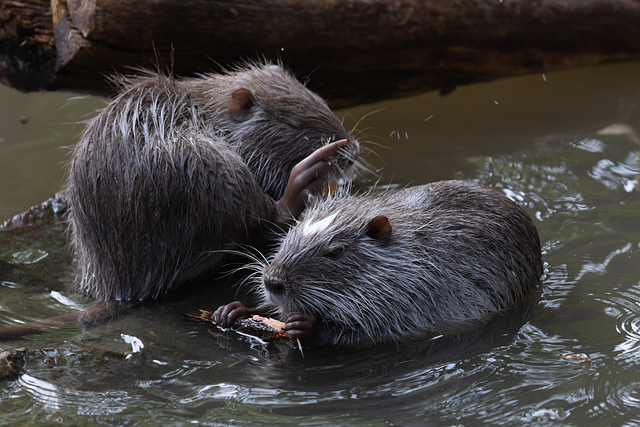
174,172
429,259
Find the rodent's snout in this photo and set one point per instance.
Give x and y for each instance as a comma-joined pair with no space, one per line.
349,152
273,285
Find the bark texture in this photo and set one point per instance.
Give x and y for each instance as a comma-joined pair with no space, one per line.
353,51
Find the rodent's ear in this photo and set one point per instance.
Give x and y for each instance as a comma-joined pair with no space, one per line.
241,105
379,229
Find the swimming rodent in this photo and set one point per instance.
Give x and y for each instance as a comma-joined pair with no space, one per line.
432,259
175,173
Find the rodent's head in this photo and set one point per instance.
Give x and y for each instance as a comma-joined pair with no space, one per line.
274,122
335,265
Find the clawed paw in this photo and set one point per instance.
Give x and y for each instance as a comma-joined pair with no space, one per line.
300,326
306,176
227,315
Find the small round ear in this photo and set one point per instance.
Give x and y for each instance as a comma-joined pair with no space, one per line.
379,229
241,105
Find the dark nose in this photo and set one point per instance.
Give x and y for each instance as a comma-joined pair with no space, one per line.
274,285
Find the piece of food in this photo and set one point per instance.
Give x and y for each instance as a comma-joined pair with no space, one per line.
265,328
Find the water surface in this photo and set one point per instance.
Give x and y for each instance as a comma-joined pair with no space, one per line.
539,139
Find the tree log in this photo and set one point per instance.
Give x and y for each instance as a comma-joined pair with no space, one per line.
352,52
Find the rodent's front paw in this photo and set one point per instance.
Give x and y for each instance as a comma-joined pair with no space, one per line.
306,176
226,315
300,326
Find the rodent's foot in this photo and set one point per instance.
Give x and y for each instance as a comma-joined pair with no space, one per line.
226,315
300,326
306,176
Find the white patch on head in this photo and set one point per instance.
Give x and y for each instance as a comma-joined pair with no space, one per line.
317,226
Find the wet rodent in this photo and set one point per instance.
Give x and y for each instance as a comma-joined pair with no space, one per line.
433,259
174,173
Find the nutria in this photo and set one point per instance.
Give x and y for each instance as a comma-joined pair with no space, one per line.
174,173
430,259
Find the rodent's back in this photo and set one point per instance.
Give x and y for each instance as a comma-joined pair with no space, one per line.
154,192
481,229
428,258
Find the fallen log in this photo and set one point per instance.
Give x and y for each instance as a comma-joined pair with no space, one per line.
353,51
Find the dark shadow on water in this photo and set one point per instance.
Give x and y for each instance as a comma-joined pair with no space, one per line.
420,371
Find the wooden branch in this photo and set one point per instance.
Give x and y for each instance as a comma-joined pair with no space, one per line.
354,51
265,328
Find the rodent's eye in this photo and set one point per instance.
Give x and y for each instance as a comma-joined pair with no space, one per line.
334,252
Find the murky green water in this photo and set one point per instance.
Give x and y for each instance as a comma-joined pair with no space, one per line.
535,138
33,154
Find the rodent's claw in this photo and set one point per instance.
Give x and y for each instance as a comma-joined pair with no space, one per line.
300,326
226,315
306,176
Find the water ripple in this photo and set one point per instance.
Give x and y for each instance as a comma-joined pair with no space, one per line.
514,372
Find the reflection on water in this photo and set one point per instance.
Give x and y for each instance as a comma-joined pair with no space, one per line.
45,393
565,147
